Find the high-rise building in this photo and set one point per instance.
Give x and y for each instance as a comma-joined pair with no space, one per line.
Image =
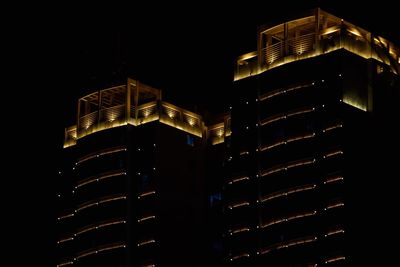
302,115
131,191
279,180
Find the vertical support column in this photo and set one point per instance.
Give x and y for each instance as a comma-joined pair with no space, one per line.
98,106
136,99
260,45
267,47
128,102
77,118
317,27
285,39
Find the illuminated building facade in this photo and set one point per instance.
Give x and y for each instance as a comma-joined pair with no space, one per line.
274,183
302,114
132,191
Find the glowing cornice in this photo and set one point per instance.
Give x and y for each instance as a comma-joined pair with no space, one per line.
125,105
278,47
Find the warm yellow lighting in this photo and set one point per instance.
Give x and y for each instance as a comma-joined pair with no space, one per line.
100,153
334,232
65,263
146,242
330,128
66,216
100,177
240,230
354,31
115,116
333,153
100,249
99,201
335,205
300,46
101,225
240,256
287,166
289,218
288,192
146,218
288,244
146,194
333,179
65,240
237,205
357,103
330,30
239,179
339,258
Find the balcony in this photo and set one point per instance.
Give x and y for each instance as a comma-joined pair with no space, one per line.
136,104
311,36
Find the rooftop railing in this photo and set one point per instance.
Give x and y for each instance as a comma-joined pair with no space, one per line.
278,47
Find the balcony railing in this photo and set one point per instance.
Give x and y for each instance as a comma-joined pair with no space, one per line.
120,106
341,36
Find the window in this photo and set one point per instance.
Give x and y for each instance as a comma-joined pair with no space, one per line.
215,199
189,140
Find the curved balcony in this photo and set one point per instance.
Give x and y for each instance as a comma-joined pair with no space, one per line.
310,36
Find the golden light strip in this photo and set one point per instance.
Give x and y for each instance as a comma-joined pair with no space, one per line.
271,120
98,178
111,247
306,136
240,230
283,91
150,241
263,148
290,218
330,128
66,216
65,240
339,258
288,244
288,166
271,171
289,114
300,163
146,218
241,204
333,179
296,138
101,201
272,94
334,232
294,113
244,153
146,194
240,256
239,179
334,153
95,227
101,153
87,206
65,263
95,251
336,205
288,192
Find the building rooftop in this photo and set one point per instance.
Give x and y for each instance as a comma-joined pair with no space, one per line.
311,35
136,104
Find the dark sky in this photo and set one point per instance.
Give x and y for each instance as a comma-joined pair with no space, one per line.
187,50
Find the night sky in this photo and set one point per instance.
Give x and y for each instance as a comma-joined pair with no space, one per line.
187,50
